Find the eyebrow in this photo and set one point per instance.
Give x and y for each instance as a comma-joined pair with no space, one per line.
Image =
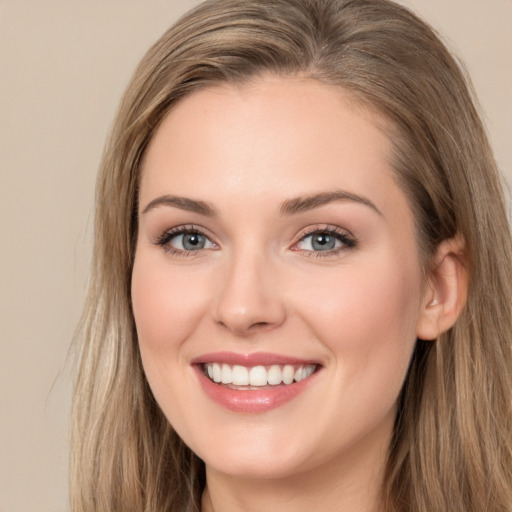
292,206
305,203
183,203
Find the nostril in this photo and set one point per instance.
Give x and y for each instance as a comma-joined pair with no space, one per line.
246,306
259,325
247,329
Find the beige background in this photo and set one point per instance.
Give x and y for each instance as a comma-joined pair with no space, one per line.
63,66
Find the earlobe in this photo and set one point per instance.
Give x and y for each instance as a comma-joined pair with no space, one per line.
446,290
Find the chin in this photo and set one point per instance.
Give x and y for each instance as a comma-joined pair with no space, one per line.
258,456
273,466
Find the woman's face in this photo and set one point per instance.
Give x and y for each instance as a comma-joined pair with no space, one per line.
274,244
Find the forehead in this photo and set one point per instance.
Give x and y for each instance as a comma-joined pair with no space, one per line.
268,140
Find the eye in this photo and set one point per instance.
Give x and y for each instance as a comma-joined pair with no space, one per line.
189,241
325,240
319,242
184,240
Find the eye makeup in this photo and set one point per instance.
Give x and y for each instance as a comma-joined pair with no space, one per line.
314,241
323,241
190,237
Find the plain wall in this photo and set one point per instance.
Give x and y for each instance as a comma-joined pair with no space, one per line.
63,66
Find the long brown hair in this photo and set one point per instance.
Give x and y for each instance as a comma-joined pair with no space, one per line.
452,446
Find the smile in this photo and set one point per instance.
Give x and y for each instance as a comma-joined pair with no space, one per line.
254,383
246,378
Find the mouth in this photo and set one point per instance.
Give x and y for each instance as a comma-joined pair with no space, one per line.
254,383
257,377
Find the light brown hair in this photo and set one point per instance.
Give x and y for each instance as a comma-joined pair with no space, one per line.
452,446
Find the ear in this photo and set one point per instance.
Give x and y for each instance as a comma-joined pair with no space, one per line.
446,290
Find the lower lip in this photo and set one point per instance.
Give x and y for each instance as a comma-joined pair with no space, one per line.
253,400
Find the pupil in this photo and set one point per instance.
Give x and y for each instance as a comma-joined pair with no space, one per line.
323,242
193,241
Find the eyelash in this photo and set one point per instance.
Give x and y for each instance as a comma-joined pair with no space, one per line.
346,238
164,239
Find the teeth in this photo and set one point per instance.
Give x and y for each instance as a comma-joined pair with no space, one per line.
240,376
217,373
226,374
308,370
288,374
258,376
274,375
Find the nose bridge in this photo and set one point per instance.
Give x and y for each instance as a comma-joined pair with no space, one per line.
248,298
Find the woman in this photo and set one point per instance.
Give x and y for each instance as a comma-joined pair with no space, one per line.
301,286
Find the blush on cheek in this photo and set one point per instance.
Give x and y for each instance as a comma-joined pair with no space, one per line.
372,322
166,304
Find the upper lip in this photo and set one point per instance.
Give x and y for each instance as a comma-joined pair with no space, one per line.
254,359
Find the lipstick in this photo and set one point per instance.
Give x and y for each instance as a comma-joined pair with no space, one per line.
253,383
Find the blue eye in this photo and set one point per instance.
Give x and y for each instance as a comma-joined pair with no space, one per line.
325,241
183,240
320,242
188,241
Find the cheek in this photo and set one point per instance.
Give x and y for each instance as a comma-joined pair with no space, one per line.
167,303
367,318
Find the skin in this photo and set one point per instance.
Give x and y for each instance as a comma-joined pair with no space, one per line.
257,286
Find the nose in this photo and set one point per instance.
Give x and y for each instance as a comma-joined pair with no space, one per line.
249,300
